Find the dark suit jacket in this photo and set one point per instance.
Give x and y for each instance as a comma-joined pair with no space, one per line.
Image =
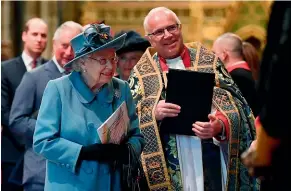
12,72
274,93
245,82
23,115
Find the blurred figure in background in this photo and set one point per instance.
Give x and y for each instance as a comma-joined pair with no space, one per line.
34,37
28,96
251,57
228,47
5,50
268,157
132,50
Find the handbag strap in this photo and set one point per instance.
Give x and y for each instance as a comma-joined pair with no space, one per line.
135,158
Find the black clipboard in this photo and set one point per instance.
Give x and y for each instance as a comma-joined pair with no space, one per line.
193,92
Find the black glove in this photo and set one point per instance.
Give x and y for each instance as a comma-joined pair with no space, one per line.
100,152
123,154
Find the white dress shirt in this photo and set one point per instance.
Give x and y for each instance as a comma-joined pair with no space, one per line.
61,69
28,61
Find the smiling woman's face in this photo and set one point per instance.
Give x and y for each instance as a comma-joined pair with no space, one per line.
127,61
99,67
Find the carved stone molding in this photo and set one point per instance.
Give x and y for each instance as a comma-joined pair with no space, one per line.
201,20
130,15
249,20
252,30
6,20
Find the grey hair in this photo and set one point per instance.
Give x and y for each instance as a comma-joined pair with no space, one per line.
156,10
76,65
68,25
232,42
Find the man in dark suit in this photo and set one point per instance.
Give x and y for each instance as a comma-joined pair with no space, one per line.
228,47
34,38
28,98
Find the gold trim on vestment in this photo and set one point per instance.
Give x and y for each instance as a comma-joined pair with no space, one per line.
156,172
150,77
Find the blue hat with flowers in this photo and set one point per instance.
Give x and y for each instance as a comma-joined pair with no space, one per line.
94,38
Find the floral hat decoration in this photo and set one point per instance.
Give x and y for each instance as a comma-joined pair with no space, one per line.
94,38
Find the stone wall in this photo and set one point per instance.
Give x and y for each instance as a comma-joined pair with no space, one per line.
201,21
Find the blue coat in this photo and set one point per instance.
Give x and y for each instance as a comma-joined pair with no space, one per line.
68,119
23,115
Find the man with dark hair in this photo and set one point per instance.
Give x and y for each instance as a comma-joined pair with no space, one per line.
34,38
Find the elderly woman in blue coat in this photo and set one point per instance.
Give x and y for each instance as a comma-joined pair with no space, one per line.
74,107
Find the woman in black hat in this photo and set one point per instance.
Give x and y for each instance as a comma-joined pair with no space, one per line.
130,53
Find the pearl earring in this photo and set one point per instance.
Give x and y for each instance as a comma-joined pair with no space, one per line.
84,70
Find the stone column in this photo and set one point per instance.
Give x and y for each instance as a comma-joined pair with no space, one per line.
196,21
6,20
48,12
90,13
6,26
31,9
72,12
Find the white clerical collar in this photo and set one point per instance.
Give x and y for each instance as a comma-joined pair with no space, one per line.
173,60
62,70
176,63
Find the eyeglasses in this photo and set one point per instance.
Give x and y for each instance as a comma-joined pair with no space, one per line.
103,61
161,32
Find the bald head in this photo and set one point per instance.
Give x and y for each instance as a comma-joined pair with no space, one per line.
231,43
167,39
33,22
154,15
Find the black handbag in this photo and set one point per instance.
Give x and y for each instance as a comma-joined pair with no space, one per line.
133,177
